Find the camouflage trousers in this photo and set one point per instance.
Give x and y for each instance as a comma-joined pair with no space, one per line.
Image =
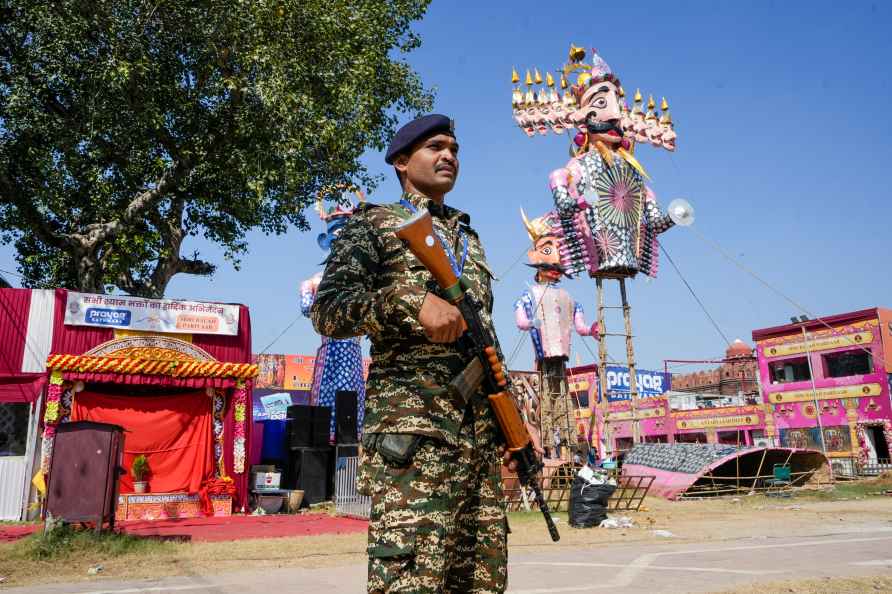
438,524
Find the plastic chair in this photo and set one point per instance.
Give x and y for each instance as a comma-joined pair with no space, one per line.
782,478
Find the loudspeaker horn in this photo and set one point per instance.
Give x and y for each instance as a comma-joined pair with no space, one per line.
681,212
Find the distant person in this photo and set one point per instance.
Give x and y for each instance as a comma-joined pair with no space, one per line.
592,457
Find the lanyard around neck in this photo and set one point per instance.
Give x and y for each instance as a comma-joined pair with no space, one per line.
457,267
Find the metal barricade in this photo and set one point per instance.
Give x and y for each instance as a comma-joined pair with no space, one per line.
348,502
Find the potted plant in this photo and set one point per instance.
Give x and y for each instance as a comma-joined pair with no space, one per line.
139,470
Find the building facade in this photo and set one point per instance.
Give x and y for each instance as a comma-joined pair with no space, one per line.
826,384
735,376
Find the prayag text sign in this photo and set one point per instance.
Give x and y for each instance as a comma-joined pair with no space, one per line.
151,315
705,423
856,391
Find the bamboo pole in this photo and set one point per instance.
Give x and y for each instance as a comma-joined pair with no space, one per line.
630,361
759,470
607,438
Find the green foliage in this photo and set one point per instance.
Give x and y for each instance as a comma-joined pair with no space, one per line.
128,126
139,469
65,540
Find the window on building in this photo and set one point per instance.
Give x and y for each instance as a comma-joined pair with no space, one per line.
848,363
13,429
624,444
580,397
789,370
690,438
731,437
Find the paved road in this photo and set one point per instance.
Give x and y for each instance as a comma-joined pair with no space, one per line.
636,568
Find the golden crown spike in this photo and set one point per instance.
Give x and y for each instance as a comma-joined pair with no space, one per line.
664,105
529,79
563,82
515,78
638,98
651,103
622,91
537,228
538,77
549,80
577,54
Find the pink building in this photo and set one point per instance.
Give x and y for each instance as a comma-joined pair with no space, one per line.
826,384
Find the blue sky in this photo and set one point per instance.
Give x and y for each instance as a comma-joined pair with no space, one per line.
784,142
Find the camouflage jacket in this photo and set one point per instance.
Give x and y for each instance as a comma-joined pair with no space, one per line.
373,285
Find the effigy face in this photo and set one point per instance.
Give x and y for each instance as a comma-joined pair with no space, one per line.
556,118
667,138
599,113
654,131
546,251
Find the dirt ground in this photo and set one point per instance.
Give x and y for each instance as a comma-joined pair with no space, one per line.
693,521
855,585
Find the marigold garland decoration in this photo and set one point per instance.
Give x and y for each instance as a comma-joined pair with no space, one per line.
98,364
240,400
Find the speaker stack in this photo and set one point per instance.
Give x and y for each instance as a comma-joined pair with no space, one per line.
311,462
309,452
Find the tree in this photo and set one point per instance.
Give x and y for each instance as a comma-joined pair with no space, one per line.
127,127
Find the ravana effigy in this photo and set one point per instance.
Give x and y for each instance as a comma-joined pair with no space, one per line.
607,219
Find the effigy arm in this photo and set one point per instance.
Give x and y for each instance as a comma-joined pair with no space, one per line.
582,327
308,290
657,220
521,318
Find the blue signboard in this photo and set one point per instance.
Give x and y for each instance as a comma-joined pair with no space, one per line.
102,316
650,383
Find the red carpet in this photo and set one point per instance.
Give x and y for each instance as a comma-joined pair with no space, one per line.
220,529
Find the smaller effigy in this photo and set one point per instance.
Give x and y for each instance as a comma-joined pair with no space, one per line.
548,312
338,365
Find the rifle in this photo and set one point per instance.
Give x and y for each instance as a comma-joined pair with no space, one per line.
478,341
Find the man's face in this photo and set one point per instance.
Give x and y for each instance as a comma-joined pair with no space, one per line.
599,114
432,165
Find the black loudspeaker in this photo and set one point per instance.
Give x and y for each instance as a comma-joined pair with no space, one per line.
345,416
346,451
300,426
309,470
321,426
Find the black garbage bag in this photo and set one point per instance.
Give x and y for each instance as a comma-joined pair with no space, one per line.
588,503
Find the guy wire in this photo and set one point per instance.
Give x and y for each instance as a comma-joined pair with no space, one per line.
694,295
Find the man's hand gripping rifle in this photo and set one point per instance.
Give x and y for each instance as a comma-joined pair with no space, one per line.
418,234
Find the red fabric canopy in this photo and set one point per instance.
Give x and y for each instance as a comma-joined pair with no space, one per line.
14,304
21,387
174,432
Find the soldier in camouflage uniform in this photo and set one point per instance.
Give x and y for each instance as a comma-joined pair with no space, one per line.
430,458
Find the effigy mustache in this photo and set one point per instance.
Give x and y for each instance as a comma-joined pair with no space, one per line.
595,127
547,267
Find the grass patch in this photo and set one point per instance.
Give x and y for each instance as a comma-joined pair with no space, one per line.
850,490
64,541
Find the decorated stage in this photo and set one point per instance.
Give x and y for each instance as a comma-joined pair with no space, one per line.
218,529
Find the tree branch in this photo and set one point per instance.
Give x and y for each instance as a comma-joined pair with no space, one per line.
39,224
100,232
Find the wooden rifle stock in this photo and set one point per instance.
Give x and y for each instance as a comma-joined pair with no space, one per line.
418,234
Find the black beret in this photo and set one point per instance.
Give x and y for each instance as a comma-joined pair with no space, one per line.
416,130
